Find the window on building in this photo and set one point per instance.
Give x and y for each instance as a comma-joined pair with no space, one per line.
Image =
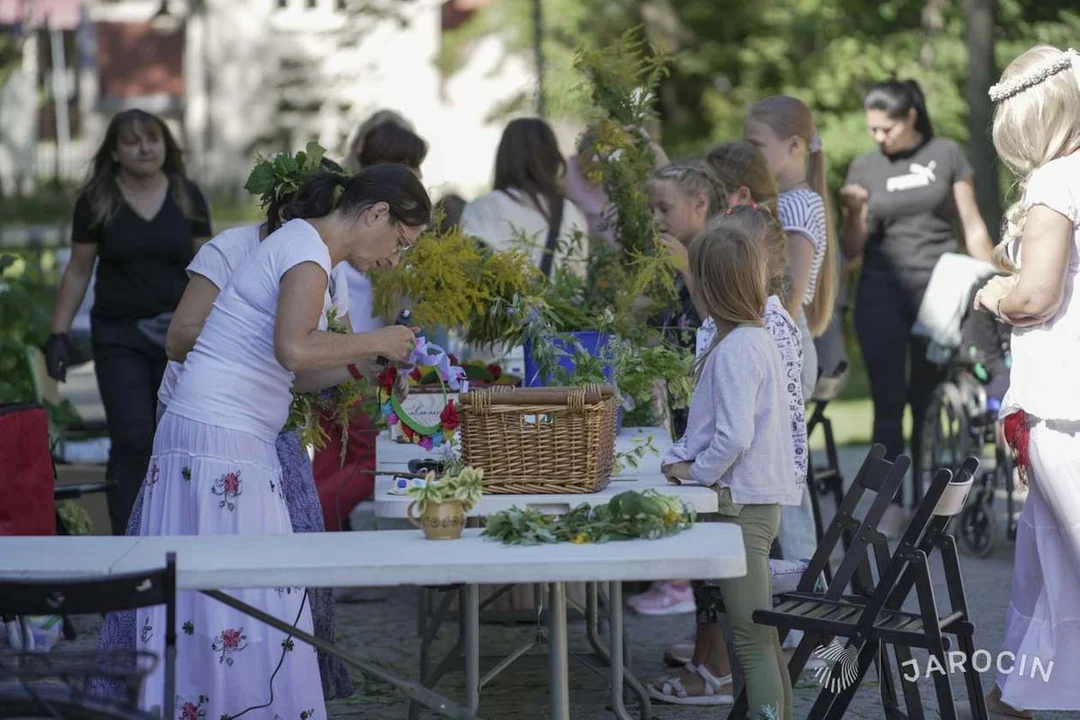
312,4
282,4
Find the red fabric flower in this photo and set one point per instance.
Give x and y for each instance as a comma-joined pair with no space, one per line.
231,483
1017,431
230,639
495,370
414,375
387,378
449,417
408,432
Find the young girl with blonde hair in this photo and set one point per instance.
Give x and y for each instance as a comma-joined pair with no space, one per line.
783,129
682,198
1036,133
738,441
744,172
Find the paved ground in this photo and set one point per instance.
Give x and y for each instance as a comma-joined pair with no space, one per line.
385,632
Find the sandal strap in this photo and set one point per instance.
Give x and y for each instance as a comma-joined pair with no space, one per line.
712,683
671,685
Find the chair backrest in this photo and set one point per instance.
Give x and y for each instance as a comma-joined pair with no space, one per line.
943,501
878,476
93,596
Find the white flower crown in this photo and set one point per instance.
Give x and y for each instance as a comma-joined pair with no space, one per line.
1035,76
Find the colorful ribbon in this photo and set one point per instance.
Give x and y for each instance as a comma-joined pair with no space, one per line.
427,354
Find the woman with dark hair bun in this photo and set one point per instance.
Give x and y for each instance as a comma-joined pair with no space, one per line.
142,219
209,273
902,203
215,467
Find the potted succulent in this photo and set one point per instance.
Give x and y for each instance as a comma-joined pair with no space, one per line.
442,503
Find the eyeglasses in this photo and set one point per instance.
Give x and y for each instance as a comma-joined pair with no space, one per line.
404,242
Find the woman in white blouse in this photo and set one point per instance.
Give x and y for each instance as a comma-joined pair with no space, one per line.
528,207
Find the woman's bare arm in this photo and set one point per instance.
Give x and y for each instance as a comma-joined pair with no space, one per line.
300,346
190,316
73,285
1040,287
976,237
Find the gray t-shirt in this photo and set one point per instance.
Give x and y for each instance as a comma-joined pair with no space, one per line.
912,215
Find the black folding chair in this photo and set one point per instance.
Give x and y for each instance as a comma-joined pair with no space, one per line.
98,595
877,477
873,621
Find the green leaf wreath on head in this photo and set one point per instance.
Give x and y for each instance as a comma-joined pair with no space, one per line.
273,179
282,174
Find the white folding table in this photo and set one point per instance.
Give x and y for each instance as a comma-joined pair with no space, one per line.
393,457
396,557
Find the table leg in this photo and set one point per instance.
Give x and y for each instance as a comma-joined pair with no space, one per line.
560,675
592,620
471,610
618,650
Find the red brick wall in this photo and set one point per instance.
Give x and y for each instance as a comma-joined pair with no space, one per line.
134,60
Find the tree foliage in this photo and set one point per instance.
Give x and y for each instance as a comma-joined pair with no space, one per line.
825,52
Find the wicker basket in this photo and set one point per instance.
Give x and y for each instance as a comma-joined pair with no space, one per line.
540,440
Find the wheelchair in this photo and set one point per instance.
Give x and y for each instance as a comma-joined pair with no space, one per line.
960,422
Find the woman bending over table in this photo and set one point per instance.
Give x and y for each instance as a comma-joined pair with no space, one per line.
209,272
215,468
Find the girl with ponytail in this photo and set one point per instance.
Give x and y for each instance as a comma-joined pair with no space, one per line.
782,128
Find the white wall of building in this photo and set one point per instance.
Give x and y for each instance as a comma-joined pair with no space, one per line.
232,55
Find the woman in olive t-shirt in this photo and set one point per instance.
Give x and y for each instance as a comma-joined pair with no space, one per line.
902,204
141,219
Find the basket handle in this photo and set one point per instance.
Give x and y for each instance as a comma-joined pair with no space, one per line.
480,399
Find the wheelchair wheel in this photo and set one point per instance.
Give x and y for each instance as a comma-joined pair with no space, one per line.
978,523
946,434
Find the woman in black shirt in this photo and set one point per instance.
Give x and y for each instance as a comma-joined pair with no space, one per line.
902,203
142,219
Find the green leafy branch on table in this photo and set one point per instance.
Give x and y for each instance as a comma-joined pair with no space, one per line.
629,515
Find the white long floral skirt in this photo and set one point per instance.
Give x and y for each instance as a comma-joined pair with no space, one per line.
207,480
1042,626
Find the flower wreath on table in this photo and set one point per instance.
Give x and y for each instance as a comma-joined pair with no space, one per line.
425,355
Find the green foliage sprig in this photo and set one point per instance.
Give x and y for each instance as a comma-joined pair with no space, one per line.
282,174
463,484
629,515
449,279
617,154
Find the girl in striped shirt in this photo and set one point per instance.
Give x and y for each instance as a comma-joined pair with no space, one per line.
782,128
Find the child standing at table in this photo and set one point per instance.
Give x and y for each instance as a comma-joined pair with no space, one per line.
738,440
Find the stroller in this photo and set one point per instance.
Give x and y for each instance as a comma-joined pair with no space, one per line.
961,419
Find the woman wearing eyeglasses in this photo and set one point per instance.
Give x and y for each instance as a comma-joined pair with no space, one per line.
215,467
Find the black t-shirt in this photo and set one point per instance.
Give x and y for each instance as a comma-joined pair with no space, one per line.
912,214
141,269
